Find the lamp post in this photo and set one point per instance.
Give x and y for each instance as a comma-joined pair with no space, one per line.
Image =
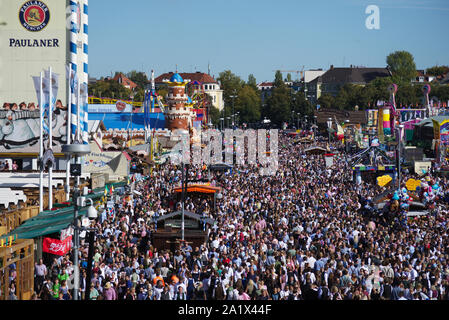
233,97
398,154
315,125
76,150
297,119
222,123
346,139
229,121
329,126
132,124
92,214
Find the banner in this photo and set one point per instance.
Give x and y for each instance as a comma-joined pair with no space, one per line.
57,247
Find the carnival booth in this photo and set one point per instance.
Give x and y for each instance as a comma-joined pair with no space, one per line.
168,230
203,190
372,163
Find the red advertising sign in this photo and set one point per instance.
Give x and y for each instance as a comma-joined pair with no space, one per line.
57,247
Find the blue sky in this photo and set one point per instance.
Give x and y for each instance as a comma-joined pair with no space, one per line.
260,36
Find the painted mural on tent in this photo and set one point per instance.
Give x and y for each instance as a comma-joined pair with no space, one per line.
19,128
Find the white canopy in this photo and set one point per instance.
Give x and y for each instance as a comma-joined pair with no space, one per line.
8,197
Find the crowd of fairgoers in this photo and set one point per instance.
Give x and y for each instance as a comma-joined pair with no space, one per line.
308,232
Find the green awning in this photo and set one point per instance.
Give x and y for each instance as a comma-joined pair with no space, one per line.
48,222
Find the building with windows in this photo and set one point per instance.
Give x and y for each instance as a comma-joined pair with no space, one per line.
124,81
333,79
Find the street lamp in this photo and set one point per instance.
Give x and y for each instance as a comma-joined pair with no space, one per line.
76,150
229,120
222,123
346,139
398,153
297,119
92,214
233,96
329,126
132,124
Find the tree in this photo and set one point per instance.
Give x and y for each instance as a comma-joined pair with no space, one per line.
379,89
230,84
437,70
289,78
252,82
214,115
248,104
278,82
409,95
139,78
326,101
301,105
402,66
278,108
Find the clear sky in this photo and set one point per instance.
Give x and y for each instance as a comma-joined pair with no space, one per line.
260,36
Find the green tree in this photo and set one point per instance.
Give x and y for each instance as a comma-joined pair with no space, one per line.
248,104
409,95
379,89
299,104
288,78
109,89
278,82
437,70
402,66
278,108
230,84
214,115
326,101
252,82
139,78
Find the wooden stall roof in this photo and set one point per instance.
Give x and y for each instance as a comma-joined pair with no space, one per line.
198,188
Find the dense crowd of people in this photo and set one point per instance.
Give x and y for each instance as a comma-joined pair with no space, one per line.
307,233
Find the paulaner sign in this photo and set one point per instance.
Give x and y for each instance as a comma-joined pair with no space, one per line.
34,15
42,43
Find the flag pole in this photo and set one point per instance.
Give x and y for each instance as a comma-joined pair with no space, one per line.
78,123
50,141
69,106
41,149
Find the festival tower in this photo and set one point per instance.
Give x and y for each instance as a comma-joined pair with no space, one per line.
178,112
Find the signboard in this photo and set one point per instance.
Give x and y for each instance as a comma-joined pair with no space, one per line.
422,167
177,223
119,107
99,180
57,247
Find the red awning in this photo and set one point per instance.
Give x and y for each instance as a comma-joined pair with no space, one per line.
199,188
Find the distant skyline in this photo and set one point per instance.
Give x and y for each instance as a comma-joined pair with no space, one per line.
259,37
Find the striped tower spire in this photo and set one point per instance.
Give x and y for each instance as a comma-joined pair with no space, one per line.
85,73
74,64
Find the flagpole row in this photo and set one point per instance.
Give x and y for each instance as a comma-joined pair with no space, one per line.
41,146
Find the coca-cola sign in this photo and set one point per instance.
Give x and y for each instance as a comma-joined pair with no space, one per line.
57,247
